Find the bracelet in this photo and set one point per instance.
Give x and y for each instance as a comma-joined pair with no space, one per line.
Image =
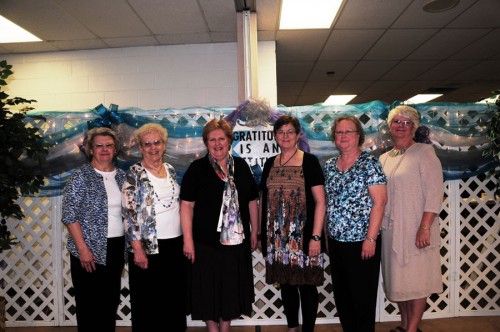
370,239
425,228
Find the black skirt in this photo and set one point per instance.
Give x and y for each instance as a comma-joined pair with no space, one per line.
221,282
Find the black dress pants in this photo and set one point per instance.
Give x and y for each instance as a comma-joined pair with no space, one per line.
158,293
97,293
355,284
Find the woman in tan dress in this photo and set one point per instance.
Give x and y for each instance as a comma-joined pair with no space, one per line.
410,229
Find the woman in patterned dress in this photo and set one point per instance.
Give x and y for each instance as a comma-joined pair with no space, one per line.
356,192
292,216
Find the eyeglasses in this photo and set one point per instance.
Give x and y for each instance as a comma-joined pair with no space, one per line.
156,143
104,146
347,132
404,123
285,133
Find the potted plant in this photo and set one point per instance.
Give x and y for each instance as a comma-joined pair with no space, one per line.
19,143
493,133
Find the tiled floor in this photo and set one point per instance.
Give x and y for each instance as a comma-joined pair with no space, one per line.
456,324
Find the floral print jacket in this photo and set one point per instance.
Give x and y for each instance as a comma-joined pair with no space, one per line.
138,209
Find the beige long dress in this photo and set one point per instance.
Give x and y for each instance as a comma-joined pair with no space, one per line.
415,184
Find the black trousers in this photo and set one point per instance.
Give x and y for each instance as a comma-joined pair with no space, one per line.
293,297
158,293
355,284
97,293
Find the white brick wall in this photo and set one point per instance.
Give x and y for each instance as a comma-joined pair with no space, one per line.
176,76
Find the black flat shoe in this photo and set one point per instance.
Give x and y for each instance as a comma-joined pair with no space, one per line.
398,329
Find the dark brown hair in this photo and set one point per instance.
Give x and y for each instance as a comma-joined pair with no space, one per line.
284,120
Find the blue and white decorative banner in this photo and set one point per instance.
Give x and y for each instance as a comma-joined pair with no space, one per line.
457,132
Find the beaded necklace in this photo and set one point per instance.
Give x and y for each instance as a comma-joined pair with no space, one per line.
172,199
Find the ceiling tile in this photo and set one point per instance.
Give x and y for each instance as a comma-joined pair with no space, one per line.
45,19
219,14
362,14
446,69
479,71
165,17
320,87
383,87
110,18
300,45
398,43
370,70
352,87
293,71
483,48
416,18
408,70
290,88
340,70
446,43
350,44
484,12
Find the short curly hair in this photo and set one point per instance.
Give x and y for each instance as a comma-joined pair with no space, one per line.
150,128
88,143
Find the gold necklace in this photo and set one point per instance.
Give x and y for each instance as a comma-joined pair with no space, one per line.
280,169
158,171
397,152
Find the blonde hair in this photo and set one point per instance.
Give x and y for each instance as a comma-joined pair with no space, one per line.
150,128
405,111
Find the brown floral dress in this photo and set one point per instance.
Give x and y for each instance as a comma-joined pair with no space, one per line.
286,261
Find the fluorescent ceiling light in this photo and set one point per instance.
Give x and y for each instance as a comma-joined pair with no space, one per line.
308,14
339,99
13,33
422,98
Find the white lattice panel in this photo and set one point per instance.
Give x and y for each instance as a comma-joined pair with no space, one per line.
36,281
479,262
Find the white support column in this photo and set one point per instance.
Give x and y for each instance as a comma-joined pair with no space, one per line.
248,87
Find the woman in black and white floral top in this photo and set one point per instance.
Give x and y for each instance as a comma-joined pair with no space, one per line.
91,211
150,202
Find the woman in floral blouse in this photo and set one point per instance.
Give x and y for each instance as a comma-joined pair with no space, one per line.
150,202
355,186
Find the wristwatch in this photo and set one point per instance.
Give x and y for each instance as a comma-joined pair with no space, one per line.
316,238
